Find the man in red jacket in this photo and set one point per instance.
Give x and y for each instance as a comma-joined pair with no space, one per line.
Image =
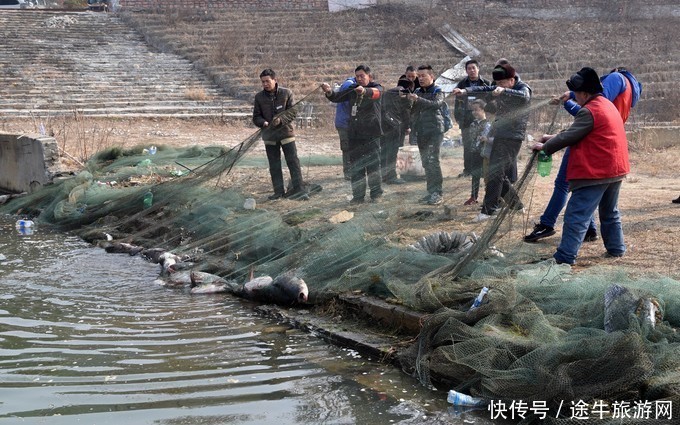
598,163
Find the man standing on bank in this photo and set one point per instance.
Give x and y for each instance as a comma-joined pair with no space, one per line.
598,162
278,134
513,97
364,132
428,121
463,114
623,89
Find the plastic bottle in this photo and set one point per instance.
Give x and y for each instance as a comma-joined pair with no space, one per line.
148,199
460,399
24,224
152,150
480,298
544,164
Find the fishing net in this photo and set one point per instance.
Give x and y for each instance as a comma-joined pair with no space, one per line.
541,333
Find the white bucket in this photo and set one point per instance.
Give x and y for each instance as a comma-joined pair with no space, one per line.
409,162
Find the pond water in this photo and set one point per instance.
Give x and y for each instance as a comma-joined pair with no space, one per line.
86,337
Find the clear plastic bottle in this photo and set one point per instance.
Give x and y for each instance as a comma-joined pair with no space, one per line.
544,164
480,298
152,150
148,199
23,224
460,399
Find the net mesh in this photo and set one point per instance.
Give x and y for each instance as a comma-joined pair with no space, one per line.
539,334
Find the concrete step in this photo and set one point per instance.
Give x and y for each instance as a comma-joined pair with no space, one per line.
93,57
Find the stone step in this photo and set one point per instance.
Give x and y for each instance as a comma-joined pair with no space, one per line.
95,57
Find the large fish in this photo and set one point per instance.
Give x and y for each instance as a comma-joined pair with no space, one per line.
122,248
622,306
206,283
285,289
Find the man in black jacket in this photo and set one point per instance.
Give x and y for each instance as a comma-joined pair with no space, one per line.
395,122
278,134
463,114
411,75
513,97
364,132
427,120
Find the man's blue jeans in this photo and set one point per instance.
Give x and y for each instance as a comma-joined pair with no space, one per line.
559,197
580,209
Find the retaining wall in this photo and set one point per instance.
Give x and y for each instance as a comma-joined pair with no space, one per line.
27,162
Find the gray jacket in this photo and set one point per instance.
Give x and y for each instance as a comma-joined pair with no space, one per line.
426,112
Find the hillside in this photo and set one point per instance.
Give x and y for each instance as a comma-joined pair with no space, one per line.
307,48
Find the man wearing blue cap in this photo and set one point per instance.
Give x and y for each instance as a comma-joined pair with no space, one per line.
597,165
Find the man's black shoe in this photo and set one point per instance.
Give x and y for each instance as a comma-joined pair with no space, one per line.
275,196
676,201
540,231
591,235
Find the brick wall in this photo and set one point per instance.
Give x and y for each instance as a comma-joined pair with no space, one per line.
225,4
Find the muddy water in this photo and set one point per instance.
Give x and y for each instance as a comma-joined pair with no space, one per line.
85,337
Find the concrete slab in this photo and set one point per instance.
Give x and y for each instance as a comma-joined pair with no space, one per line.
363,340
27,162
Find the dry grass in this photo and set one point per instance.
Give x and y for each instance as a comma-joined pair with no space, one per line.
196,94
78,137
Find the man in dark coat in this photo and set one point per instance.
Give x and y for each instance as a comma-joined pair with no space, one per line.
278,134
513,97
395,122
463,114
364,132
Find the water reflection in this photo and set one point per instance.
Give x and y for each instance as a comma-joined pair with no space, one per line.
86,337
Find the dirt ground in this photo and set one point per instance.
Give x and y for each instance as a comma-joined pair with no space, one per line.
651,221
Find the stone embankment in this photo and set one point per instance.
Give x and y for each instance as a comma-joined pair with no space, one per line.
93,64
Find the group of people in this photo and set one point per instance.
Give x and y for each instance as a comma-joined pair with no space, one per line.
372,124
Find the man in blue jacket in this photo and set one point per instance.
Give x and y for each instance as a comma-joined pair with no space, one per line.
342,111
622,89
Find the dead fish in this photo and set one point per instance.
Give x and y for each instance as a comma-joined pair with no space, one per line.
153,254
123,248
623,305
207,283
168,262
285,289
176,279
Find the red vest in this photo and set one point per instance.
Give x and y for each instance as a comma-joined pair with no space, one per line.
624,101
603,153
